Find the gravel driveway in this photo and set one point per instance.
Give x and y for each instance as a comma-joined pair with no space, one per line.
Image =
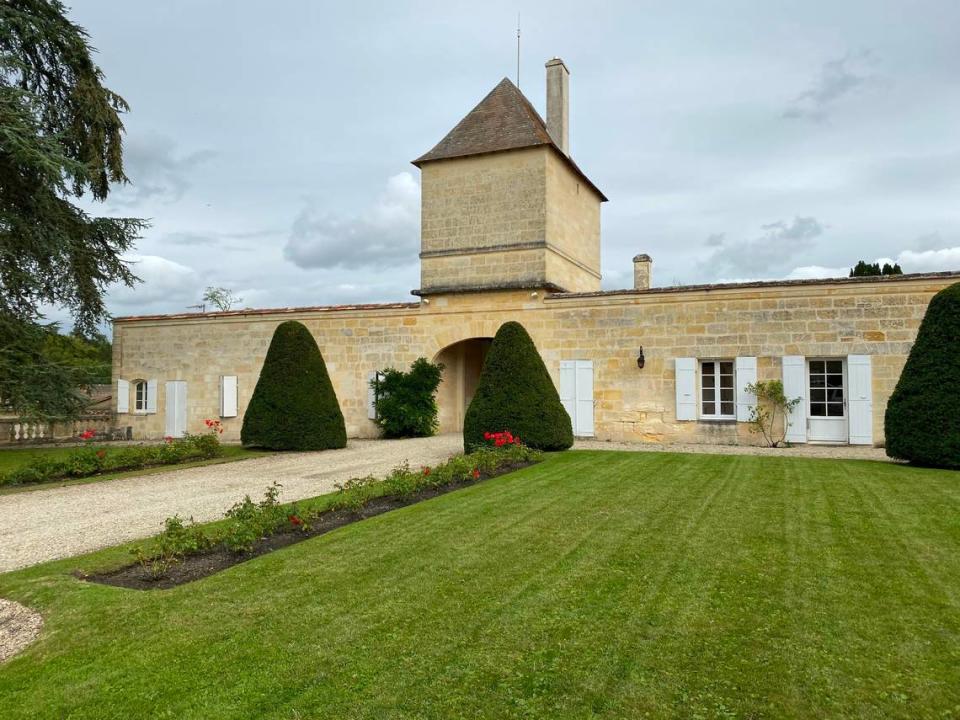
44,525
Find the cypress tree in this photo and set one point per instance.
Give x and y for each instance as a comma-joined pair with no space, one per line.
922,422
294,406
516,393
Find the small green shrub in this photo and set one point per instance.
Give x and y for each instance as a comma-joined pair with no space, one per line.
173,544
252,521
406,401
354,493
293,406
922,422
515,393
772,403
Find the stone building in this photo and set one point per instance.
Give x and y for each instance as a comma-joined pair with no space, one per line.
511,231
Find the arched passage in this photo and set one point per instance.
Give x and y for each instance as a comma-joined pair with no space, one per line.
462,363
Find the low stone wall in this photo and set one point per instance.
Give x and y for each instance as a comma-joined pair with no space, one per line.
16,431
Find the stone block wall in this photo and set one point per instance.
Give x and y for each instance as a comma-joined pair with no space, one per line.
506,219
831,319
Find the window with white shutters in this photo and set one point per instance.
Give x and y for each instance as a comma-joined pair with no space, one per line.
717,394
140,396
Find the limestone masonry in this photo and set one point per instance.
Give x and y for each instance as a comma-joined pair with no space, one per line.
511,231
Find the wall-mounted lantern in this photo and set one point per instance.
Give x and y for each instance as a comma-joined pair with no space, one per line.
641,360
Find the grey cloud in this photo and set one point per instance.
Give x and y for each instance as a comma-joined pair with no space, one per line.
715,240
837,78
158,171
764,255
385,236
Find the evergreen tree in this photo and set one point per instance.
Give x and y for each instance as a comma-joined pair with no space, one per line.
516,393
60,139
922,422
294,406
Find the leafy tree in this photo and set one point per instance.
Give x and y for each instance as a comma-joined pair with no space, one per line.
865,269
922,422
294,406
91,357
406,401
60,139
772,405
516,393
221,298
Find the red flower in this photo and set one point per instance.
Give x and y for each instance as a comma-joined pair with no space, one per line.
426,471
487,435
476,474
168,438
101,454
87,434
295,520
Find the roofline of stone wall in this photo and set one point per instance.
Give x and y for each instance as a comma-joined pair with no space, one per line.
758,285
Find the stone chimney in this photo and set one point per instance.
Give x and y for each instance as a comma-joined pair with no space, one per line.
558,104
642,272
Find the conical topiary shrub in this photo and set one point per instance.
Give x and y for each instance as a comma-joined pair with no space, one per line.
922,422
516,393
293,406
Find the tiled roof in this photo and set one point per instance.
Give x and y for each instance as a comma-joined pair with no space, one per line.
503,120
271,311
946,275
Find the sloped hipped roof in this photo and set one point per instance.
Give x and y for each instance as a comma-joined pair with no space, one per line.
503,120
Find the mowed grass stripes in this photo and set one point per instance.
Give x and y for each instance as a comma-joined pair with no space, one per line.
596,584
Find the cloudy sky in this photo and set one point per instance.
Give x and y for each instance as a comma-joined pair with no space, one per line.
269,143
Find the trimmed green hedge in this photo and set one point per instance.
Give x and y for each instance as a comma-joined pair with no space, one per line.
92,460
922,422
516,393
294,406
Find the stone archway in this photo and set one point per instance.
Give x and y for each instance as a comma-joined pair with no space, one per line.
462,362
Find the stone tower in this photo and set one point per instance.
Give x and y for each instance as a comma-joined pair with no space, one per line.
504,205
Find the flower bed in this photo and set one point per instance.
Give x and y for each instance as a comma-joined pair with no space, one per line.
186,552
91,459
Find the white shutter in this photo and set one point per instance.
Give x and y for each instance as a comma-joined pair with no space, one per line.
372,395
584,401
176,410
860,380
686,381
745,374
151,396
123,396
795,386
170,420
228,396
568,389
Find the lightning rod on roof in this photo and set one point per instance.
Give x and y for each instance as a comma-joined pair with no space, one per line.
518,50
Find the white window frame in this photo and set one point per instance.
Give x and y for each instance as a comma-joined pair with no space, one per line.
140,398
717,416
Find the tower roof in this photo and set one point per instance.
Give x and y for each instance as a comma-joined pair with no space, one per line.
503,120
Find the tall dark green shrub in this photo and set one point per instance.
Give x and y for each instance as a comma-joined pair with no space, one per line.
294,406
922,422
516,393
406,401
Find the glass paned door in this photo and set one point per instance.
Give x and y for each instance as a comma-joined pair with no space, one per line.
827,400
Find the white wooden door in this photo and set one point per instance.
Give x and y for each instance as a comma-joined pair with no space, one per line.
827,400
176,409
576,394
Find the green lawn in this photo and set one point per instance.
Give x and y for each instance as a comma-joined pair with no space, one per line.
609,585
11,458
